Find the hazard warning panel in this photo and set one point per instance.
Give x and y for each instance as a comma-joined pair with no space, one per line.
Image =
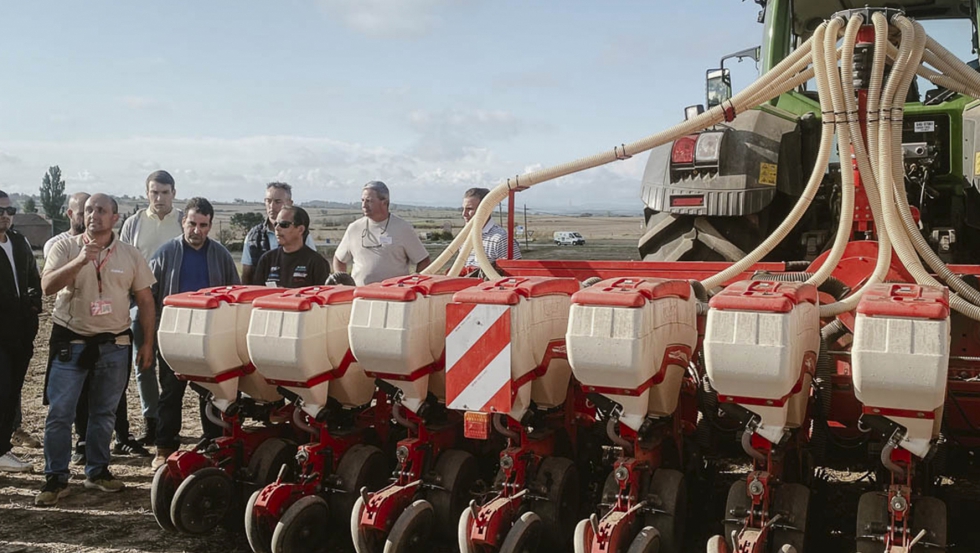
478,357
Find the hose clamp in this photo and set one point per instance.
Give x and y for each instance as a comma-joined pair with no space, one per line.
729,111
620,152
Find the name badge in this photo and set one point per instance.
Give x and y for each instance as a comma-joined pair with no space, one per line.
100,307
386,241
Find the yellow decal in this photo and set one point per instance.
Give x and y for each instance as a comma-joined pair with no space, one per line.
976,164
767,173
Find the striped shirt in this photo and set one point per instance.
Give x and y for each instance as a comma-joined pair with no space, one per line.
495,244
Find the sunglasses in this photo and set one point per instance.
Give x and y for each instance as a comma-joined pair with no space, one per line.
11,210
284,224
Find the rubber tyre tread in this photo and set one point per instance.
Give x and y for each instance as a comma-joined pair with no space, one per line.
457,471
583,536
792,500
525,536
872,511
161,497
646,541
268,458
365,541
362,466
559,513
670,237
671,488
259,537
412,531
738,501
185,500
309,512
929,513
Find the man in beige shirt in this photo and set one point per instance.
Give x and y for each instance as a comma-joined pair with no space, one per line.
380,245
94,275
148,229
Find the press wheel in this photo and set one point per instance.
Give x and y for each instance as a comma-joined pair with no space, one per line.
363,466
793,502
366,540
258,531
583,536
456,471
161,497
202,501
525,536
736,507
669,487
463,532
646,541
303,527
559,513
412,532
268,459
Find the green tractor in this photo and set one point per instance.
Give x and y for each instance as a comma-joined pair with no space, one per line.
715,195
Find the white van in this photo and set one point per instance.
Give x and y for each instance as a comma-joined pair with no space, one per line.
568,238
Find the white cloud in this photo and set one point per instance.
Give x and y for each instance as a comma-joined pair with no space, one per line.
388,18
456,134
318,168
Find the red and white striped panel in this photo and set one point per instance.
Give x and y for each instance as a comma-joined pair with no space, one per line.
478,375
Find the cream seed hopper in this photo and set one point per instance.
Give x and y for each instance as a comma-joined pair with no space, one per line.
500,338
631,339
298,340
202,336
900,360
397,333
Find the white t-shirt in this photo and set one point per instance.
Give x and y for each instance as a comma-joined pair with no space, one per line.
54,240
380,250
8,248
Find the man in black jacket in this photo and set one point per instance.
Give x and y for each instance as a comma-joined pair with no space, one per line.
20,303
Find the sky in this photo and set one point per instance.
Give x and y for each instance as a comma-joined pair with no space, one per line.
430,96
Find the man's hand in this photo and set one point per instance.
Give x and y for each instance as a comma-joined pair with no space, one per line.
144,357
89,253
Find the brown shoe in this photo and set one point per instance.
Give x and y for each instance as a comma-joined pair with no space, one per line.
161,457
21,438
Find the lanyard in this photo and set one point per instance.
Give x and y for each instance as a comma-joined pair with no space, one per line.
98,267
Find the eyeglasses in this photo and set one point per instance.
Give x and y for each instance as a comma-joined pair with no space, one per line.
10,210
284,224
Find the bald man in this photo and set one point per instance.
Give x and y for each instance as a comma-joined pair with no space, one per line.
76,219
94,275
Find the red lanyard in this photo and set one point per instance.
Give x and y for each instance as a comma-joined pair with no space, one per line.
98,267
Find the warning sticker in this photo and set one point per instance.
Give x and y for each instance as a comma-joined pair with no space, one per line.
925,126
976,164
767,174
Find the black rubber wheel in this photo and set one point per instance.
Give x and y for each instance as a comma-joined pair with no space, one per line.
303,527
736,507
929,514
670,489
412,532
362,466
161,497
872,522
670,237
646,541
366,540
525,536
203,501
560,511
793,502
268,459
456,473
257,531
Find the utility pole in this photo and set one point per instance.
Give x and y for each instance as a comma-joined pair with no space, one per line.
527,246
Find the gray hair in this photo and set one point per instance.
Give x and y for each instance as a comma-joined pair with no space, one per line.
380,188
280,186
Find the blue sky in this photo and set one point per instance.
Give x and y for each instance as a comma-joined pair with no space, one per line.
431,96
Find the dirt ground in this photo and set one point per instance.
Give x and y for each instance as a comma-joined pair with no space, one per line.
92,521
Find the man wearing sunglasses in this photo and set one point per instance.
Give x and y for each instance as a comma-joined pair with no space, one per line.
20,303
262,237
292,264
381,245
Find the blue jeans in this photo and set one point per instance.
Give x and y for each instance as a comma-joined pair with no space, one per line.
107,383
146,380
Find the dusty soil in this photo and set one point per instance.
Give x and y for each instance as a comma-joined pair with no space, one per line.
93,521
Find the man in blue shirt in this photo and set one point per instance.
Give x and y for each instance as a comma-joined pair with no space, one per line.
187,263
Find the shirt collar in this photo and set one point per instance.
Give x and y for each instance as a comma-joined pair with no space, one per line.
487,227
151,215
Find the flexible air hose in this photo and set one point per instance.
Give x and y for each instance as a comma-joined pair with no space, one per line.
816,176
770,85
843,140
832,285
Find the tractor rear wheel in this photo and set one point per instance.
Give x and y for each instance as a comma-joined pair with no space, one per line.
670,237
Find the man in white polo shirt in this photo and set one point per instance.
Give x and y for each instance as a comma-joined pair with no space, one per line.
149,229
